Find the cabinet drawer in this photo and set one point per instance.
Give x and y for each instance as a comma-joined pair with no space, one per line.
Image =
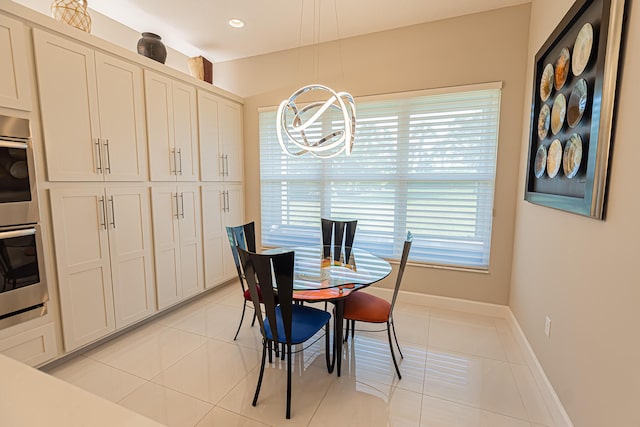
33,347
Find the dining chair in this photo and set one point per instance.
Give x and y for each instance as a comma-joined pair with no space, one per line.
342,233
293,324
364,307
243,236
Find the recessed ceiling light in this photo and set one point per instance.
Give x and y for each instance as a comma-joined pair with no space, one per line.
236,23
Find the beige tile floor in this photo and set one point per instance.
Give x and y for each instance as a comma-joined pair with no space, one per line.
184,369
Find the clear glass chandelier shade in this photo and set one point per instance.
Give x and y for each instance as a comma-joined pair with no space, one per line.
299,128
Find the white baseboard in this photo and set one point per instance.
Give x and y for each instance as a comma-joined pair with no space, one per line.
446,303
558,413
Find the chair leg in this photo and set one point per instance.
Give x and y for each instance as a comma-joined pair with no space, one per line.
264,355
244,307
271,352
288,381
346,331
327,344
393,354
393,326
353,329
255,316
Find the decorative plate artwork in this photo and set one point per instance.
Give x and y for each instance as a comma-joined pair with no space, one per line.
582,49
541,161
577,103
558,113
572,156
554,158
546,82
562,68
544,120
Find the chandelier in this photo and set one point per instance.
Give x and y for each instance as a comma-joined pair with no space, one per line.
295,120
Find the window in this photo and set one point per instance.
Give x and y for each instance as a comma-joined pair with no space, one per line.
423,162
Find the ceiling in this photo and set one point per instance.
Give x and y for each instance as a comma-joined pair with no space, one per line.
196,27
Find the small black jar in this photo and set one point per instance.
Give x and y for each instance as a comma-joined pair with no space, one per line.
151,47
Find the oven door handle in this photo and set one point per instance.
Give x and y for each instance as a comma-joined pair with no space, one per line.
17,233
11,144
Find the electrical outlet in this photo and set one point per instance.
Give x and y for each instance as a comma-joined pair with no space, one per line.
547,326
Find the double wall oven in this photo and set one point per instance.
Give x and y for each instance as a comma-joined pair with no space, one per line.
23,288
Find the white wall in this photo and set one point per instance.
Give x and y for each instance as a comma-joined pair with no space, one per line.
115,32
476,48
583,272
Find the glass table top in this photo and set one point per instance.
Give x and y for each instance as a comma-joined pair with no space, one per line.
314,272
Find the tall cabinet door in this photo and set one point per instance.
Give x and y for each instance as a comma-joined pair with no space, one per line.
167,245
69,105
159,108
234,215
214,235
128,221
185,131
209,132
190,240
231,135
14,72
84,274
122,120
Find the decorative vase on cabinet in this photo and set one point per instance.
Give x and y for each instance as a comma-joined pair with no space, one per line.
151,46
72,12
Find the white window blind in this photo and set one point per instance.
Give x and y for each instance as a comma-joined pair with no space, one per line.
423,163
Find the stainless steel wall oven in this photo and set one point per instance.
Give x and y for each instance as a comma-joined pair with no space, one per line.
23,288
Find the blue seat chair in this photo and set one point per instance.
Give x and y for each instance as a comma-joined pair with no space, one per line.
284,322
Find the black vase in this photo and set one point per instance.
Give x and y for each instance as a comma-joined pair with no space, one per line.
151,47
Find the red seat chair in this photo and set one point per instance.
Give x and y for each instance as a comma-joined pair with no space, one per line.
363,307
244,237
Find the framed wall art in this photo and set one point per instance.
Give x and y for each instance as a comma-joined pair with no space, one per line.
572,109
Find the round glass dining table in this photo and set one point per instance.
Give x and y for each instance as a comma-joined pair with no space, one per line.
319,277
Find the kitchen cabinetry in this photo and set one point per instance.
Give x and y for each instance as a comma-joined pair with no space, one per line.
92,112
172,128
220,127
14,72
178,242
103,251
33,346
222,205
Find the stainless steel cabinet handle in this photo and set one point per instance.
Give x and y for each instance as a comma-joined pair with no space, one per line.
17,233
11,144
226,193
182,204
103,208
174,171
180,157
177,208
222,165
113,212
108,166
226,165
99,155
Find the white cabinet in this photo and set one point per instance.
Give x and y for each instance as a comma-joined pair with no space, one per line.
92,112
103,253
172,128
14,72
220,130
178,242
222,205
33,346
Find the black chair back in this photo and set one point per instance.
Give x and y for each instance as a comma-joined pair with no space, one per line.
342,233
403,264
244,237
262,269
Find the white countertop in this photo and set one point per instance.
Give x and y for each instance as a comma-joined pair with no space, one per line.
31,398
